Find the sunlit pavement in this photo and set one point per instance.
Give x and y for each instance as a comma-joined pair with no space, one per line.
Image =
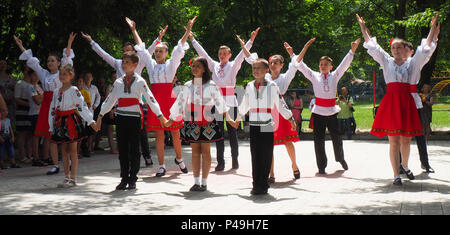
366,188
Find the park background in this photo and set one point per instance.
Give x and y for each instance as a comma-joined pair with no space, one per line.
44,26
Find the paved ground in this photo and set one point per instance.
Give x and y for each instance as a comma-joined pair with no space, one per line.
366,188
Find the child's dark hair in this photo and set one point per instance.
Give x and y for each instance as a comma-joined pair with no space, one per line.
30,71
128,44
133,56
408,45
56,55
262,61
206,76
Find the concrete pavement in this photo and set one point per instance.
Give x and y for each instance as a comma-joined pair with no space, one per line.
366,188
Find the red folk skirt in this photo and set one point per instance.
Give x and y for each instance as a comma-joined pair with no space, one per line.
42,127
165,97
283,130
397,113
68,127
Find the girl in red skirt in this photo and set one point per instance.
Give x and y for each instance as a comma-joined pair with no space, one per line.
65,119
195,103
397,115
50,82
161,74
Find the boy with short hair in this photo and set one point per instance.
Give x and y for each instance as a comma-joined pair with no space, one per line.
261,96
128,91
325,109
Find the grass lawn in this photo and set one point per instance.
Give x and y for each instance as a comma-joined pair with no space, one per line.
364,115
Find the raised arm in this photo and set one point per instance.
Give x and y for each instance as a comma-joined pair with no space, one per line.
188,30
240,57
19,43
69,43
345,64
68,54
105,56
201,52
244,49
364,30
304,50
132,26
32,62
301,66
433,29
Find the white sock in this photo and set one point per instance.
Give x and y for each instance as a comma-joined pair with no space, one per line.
204,181
406,168
197,180
398,176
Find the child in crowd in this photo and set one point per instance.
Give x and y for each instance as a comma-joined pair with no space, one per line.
7,141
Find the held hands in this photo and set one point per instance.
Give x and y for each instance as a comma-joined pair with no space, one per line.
95,126
293,124
355,44
87,37
168,123
234,124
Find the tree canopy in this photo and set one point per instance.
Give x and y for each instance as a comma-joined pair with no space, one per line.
45,26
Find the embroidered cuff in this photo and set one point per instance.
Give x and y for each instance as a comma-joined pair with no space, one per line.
251,58
140,47
71,56
371,44
185,46
26,55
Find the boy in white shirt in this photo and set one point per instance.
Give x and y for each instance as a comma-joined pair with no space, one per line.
325,109
261,96
128,91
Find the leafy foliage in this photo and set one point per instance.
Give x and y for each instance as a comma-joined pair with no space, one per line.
44,26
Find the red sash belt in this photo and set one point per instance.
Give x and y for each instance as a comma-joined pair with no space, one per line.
325,102
70,124
227,91
261,110
126,102
413,88
398,87
200,120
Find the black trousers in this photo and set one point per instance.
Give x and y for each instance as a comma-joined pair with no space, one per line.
261,149
128,133
421,144
320,125
145,148
232,134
